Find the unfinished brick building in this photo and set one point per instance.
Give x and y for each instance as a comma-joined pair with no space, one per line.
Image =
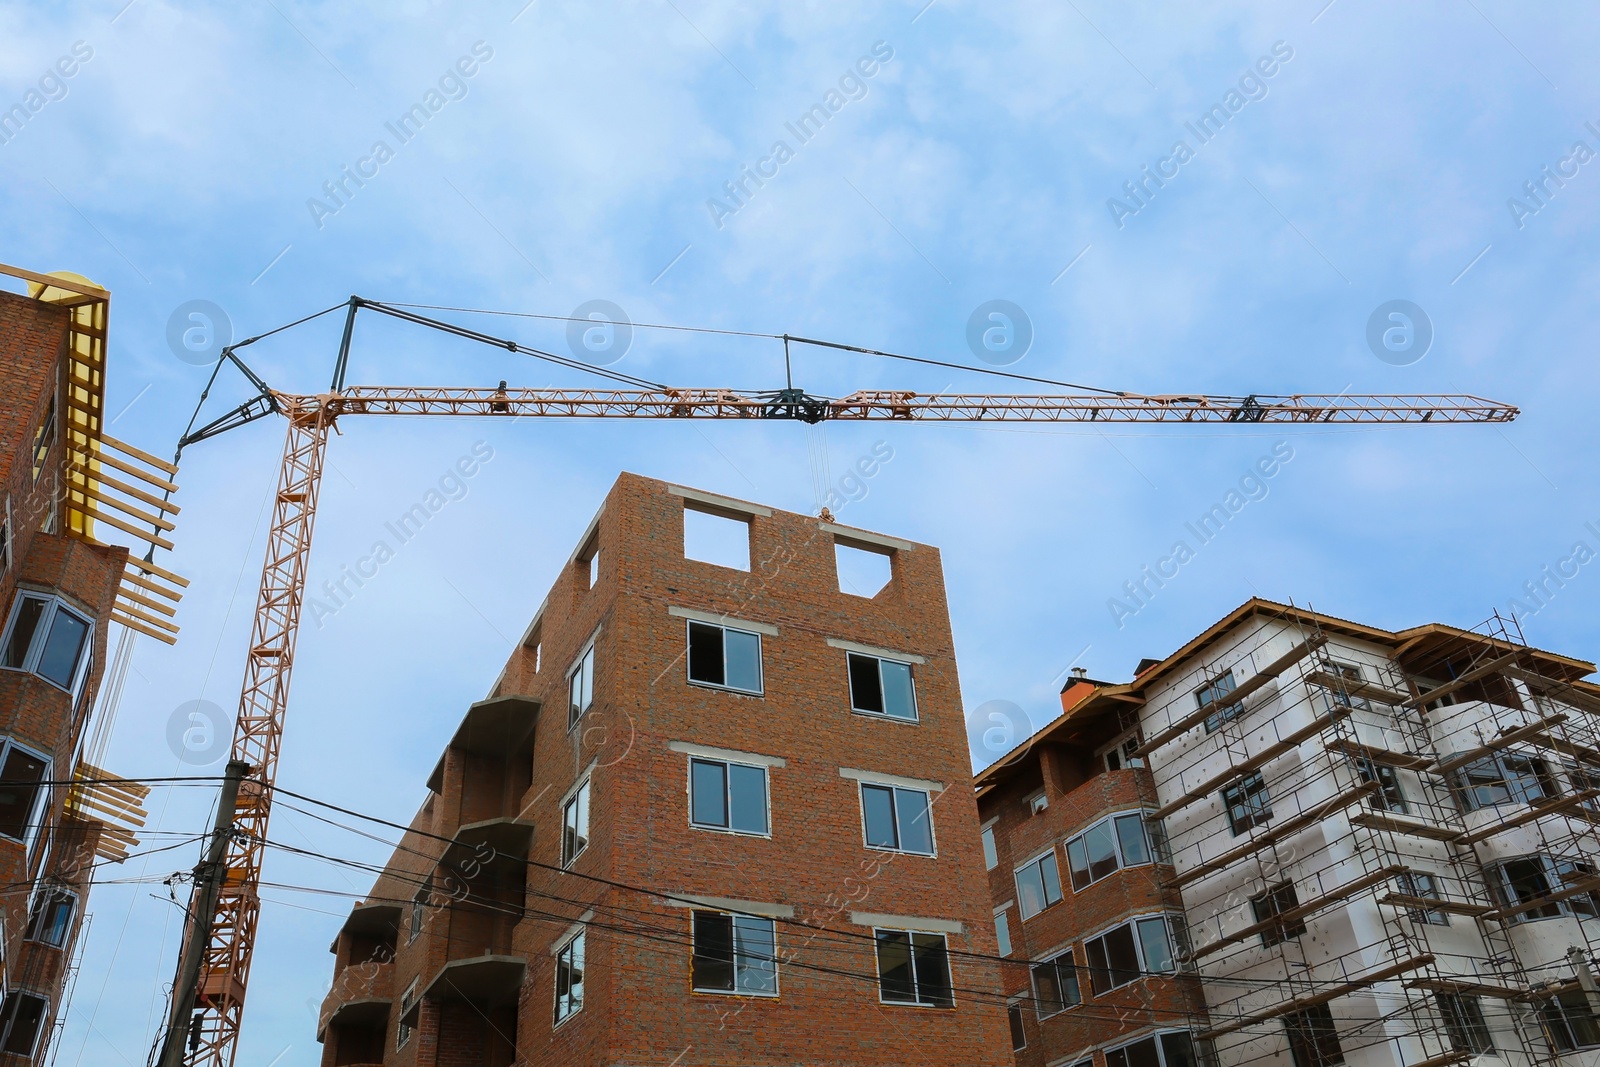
1078,866
60,589
708,814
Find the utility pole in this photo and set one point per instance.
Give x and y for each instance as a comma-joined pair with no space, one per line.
202,906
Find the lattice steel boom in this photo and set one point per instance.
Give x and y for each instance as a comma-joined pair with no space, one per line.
258,732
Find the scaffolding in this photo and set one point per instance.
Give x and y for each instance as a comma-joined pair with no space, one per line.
1417,799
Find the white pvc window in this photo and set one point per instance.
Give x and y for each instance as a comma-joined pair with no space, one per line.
1128,952
22,791
408,999
727,796
913,968
580,686
47,638
1175,1048
569,979
1107,846
735,954
724,657
896,818
881,686
1038,884
991,857
50,917
575,825
22,1021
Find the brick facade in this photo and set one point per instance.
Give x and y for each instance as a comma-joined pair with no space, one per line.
1063,765
45,719
485,958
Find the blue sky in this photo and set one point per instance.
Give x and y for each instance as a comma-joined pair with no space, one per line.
1376,163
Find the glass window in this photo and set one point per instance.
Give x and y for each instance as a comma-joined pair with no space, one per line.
1463,1021
21,1020
1174,1048
724,657
1270,905
1214,690
43,438
1019,1036
1038,885
1338,697
47,638
1389,796
580,687
1124,754
575,825
1569,1023
1313,1039
1525,883
1055,984
897,818
1002,933
881,687
1248,803
913,968
50,918
21,791
735,954
1104,847
569,979
1038,804
991,858
1127,952
1503,779
1425,886
408,1000
419,912
728,796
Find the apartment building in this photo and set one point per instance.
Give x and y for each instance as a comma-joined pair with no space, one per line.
60,590
1384,841
1079,873
713,811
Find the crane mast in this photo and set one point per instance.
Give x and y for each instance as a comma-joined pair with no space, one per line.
213,1030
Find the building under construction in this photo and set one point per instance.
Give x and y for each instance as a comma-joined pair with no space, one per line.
66,484
1382,845
710,812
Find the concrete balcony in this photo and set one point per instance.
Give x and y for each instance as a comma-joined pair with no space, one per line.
360,997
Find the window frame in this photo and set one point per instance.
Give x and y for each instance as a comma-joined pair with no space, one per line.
577,797
1550,869
734,919
570,956
53,605
33,818
1571,1017
419,912
1113,821
916,978
723,630
991,848
1044,885
1118,756
895,789
1464,1024
1512,783
403,1032
50,895
582,671
1175,950
1268,906
911,678
1196,1054
1410,885
1053,963
1014,1019
727,766
1208,692
1390,795
1299,1035
1259,817
44,1018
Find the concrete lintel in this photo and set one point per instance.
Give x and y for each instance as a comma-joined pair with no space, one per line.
723,620
907,922
727,755
743,907
720,503
872,650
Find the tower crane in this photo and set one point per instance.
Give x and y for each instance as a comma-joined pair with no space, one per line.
210,1014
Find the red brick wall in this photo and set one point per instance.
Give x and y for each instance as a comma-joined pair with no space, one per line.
1080,792
639,1007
